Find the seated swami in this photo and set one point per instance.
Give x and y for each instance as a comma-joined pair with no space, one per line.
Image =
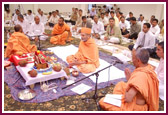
61,33
141,92
19,42
87,57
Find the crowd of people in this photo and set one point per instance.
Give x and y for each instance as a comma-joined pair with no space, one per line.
145,84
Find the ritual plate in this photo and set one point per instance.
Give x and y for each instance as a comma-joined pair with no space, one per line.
26,94
43,70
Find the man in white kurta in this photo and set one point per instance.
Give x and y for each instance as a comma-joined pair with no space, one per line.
43,18
30,17
104,20
37,29
15,16
53,19
155,28
97,28
124,26
24,24
141,22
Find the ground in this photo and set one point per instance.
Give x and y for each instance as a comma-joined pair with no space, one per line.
66,103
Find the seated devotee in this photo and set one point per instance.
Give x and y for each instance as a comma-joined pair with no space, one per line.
58,14
7,16
23,23
141,21
99,13
140,17
37,30
49,15
104,20
124,25
30,17
130,16
61,33
85,23
79,20
87,57
113,33
155,28
53,19
112,15
42,17
18,42
74,17
145,39
38,12
15,16
151,18
161,24
160,69
97,28
141,91
134,30
107,15
118,15
92,12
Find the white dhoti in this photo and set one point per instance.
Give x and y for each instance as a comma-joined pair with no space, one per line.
44,37
114,40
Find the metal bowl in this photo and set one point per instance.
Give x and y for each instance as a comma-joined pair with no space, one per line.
26,94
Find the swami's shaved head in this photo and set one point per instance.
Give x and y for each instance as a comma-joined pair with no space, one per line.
18,28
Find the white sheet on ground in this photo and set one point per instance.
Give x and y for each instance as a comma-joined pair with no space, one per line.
122,57
80,89
115,73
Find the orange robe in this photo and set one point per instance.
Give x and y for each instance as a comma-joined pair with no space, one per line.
62,34
88,52
19,42
145,81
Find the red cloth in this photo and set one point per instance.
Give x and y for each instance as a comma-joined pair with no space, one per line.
16,58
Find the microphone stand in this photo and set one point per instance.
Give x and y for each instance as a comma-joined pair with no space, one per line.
95,96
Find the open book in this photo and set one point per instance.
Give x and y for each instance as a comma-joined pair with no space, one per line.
114,99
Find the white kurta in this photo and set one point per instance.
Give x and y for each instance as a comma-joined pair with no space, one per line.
37,29
149,40
155,30
141,23
25,26
160,74
30,18
104,21
98,28
43,19
125,25
53,19
15,18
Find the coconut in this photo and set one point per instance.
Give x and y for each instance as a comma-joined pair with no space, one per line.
22,63
57,67
32,73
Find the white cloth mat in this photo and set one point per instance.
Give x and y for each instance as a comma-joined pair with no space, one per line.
115,73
